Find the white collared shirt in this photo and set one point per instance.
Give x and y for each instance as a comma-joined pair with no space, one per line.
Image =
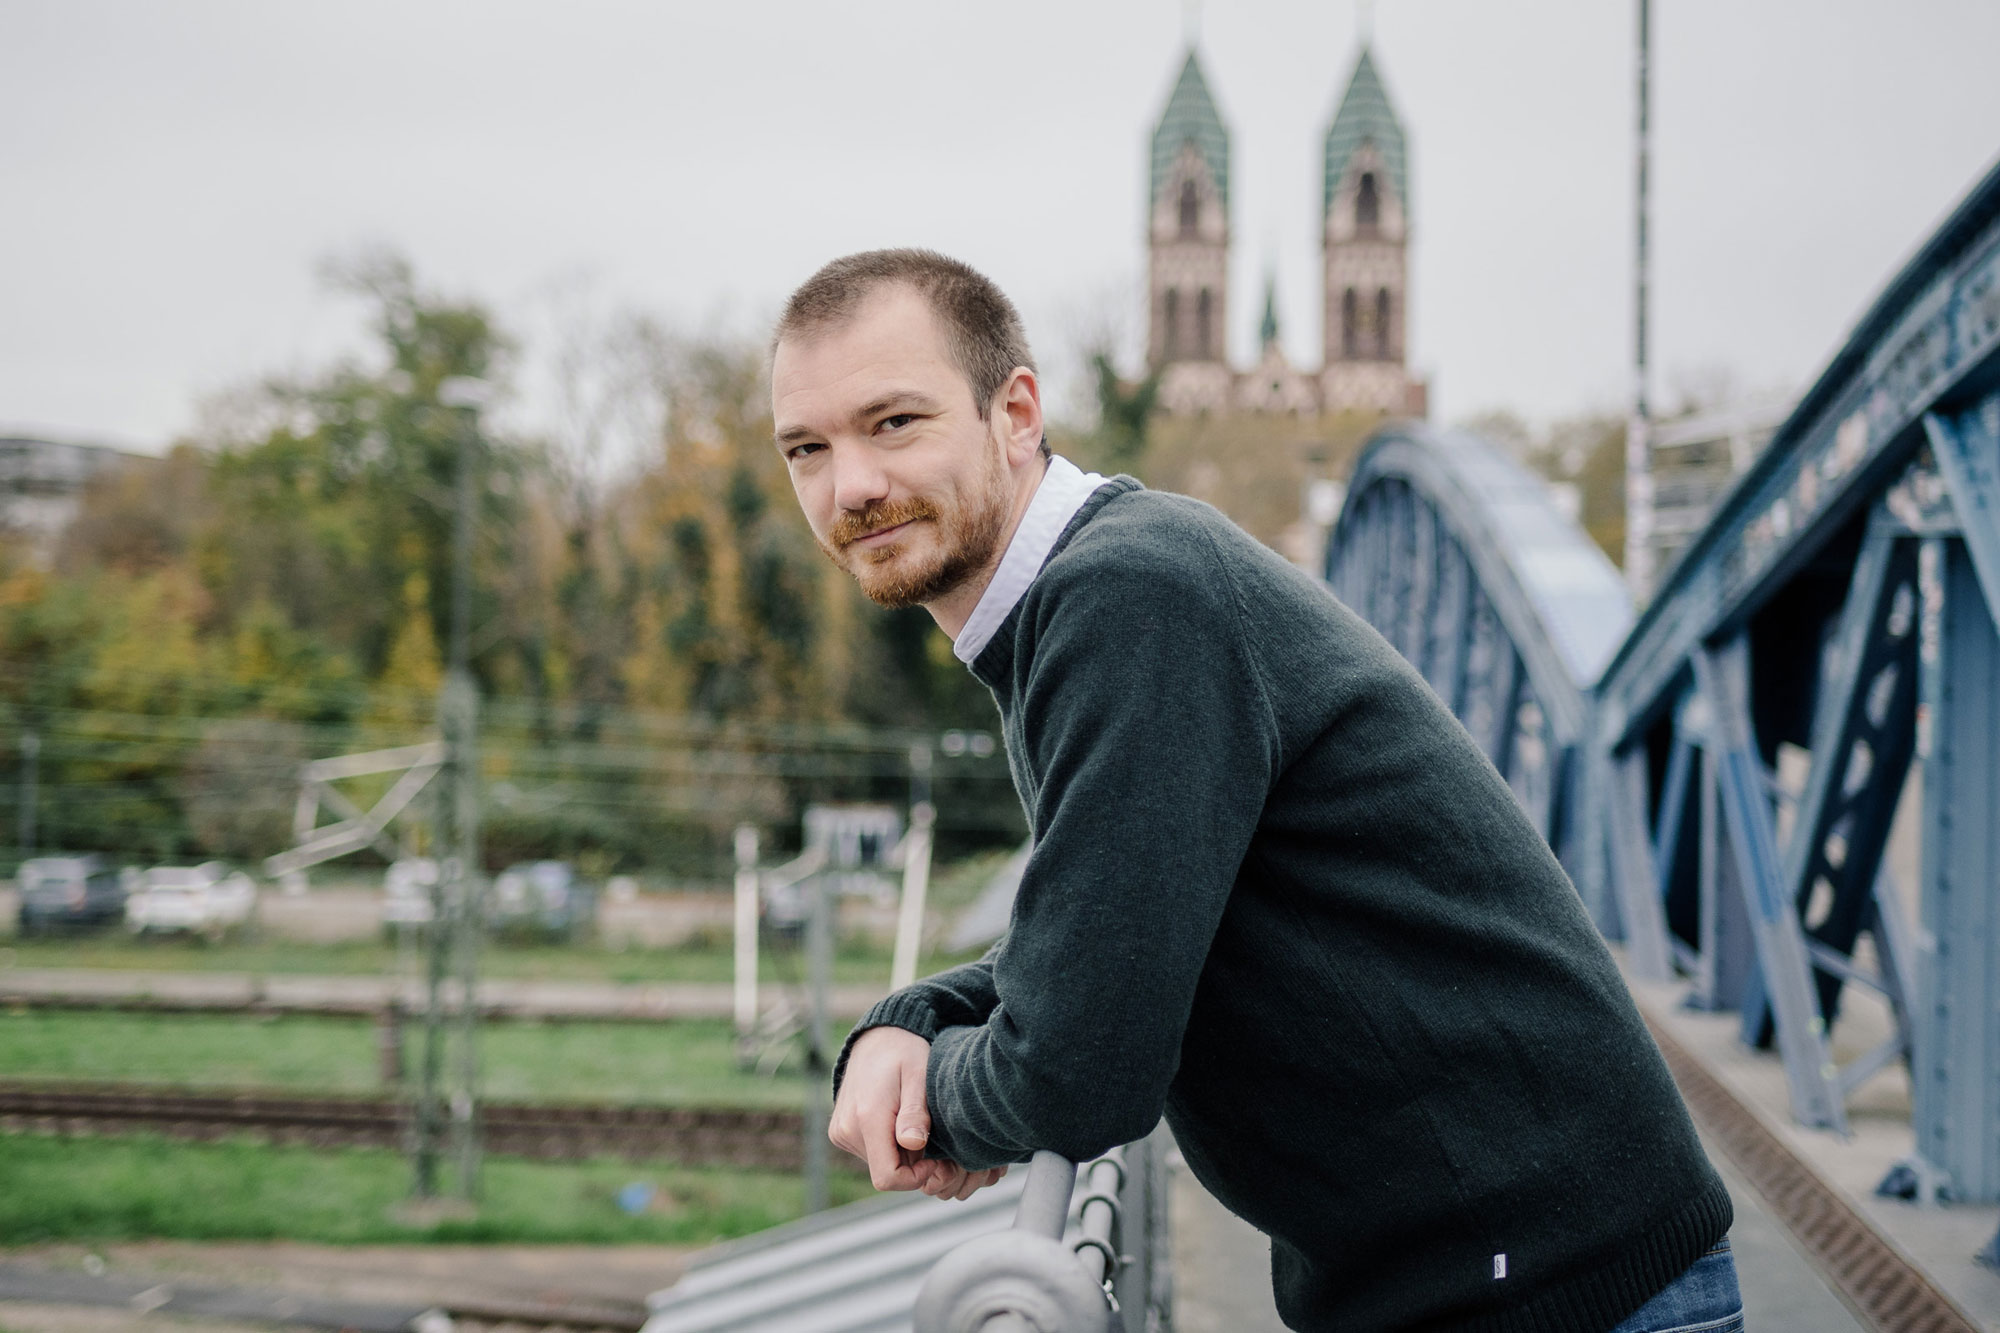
1063,489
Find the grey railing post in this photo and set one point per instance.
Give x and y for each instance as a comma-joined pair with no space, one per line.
1097,1217
1044,1206
1025,1280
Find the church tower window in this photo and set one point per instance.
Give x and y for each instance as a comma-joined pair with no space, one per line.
1187,241
1365,220
1367,205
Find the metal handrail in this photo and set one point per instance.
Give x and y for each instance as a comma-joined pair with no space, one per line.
1025,1280
1098,1216
1044,1206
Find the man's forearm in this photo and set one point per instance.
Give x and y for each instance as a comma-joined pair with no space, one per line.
955,997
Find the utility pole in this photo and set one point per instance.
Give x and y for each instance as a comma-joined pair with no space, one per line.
31,754
916,869
427,1141
745,1005
459,720
916,885
819,981
457,916
1638,451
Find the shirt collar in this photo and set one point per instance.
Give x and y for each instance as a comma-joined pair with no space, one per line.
1063,489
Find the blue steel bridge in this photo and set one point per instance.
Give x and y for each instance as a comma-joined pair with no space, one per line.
1721,773
1842,603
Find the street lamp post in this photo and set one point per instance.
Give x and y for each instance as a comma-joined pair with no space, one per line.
457,916
31,751
1638,446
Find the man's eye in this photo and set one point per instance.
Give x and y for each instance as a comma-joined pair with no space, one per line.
801,450
898,421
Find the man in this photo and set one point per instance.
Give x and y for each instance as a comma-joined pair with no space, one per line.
1277,893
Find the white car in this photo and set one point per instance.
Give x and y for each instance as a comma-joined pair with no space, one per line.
406,891
207,898
541,899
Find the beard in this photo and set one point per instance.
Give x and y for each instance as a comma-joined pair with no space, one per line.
967,527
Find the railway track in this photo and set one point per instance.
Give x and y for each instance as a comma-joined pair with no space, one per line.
694,1136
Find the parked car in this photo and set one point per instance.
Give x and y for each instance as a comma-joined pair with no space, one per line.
208,899
541,900
68,893
406,892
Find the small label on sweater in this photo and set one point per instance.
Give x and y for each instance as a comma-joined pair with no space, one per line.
1499,1267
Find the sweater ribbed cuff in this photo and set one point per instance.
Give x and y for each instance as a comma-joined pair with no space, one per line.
909,1009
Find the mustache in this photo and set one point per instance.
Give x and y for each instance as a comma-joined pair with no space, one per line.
855,524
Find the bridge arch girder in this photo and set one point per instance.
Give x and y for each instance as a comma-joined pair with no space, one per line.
1725,787
1461,557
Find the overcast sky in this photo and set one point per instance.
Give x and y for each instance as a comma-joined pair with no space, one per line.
175,169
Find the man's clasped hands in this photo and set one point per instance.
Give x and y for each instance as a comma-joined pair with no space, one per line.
882,1117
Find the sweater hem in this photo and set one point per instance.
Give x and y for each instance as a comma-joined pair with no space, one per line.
1602,1297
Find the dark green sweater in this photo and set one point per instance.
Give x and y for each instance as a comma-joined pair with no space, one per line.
1280,895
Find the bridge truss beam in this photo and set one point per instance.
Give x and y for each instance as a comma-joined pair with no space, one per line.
1820,665
1819,660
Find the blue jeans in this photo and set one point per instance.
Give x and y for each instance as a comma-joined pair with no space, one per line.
1704,1299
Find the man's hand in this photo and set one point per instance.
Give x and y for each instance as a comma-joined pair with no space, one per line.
881,1117
949,1180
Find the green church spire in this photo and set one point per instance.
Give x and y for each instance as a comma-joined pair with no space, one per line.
1365,115
1191,117
1268,330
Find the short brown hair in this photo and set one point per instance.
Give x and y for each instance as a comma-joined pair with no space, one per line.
983,333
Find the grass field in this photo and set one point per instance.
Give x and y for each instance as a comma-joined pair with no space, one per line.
116,1188
129,1188
690,1063
853,961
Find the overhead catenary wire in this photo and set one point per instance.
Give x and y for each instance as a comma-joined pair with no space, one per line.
499,711
128,778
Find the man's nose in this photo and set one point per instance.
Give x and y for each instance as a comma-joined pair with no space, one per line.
858,477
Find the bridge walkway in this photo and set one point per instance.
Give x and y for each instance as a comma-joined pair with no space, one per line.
1940,1241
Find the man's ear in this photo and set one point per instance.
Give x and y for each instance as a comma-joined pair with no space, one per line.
1019,408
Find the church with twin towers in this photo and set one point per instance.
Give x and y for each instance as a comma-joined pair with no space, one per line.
1364,235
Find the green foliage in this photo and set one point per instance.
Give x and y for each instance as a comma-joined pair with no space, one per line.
145,1187
1601,479
1124,415
280,590
1252,466
322,1054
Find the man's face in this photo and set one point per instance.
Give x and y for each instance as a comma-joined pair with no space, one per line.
902,477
